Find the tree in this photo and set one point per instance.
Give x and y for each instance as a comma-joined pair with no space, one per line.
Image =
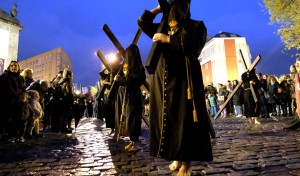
286,13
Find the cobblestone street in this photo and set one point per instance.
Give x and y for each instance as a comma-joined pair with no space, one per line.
239,149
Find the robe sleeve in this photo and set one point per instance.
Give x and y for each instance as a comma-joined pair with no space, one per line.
145,22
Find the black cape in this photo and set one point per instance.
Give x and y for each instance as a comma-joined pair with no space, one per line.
173,133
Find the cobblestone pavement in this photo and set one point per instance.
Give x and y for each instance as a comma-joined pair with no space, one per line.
239,149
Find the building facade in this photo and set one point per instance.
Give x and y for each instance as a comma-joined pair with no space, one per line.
220,60
9,39
46,66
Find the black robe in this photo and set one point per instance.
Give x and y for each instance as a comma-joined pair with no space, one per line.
250,107
173,133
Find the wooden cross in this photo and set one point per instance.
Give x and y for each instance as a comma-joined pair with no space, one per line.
121,50
156,48
253,65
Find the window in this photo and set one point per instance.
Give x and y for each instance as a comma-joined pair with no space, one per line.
206,66
207,78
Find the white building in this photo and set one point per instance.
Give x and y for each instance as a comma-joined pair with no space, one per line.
9,39
220,60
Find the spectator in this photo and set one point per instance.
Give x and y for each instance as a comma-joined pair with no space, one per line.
272,94
281,101
213,103
12,86
42,88
210,88
230,109
24,112
55,101
238,99
66,102
34,123
262,89
287,95
223,93
266,77
293,71
27,75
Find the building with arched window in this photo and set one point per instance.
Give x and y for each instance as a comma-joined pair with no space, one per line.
220,60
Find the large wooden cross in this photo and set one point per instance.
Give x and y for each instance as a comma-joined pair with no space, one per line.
121,50
253,65
156,48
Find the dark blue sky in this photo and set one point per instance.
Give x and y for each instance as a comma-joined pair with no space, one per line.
75,25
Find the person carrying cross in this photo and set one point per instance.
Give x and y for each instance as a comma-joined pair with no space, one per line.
179,126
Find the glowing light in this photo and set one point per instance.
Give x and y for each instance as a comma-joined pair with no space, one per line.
111,57
77,92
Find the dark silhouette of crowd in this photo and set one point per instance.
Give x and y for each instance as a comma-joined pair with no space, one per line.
275,97
27,105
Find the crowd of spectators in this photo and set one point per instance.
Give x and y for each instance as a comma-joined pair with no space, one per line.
276,97
26,104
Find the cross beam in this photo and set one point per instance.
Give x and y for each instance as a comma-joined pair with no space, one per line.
156,48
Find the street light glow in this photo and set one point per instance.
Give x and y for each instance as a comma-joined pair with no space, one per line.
111,57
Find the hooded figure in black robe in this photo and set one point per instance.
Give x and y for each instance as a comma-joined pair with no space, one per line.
174,135
250,106
129,108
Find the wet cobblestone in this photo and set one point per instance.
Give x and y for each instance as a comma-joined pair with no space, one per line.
239,149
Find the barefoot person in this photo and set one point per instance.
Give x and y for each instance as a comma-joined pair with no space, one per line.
179,128
129,122
251,108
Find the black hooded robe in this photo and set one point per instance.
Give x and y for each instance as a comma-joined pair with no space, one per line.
250,107
173,133
133,98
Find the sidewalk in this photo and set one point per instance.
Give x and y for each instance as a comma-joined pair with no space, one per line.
239,149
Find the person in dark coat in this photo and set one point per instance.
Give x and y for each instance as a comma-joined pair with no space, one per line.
250,107
262,89
272,93
66,102
27,75
282,101
237,99
222,97
11,87
54,103
211,89
42,88
179,126
131,114
287,94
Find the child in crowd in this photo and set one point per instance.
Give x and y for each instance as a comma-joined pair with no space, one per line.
213,103
281,102
38,111
207,105
24,112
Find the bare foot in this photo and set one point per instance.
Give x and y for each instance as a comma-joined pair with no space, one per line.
175,165
185,169
129,146
134,147
250,120
111,132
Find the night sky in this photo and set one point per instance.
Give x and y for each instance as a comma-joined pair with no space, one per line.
75,25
